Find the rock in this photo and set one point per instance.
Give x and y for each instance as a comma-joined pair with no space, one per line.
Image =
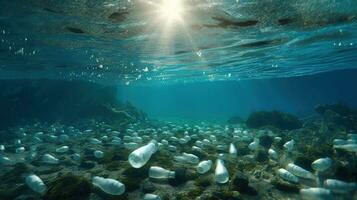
148,187
203,181
69,187
15,174
12,192
182,175
347,172
339,114
285,186
87,165
134,176
266,141
191,194
223,194
240,183
304,162
275,119
262,156
38,98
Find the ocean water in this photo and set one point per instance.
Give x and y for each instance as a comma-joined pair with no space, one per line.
178,99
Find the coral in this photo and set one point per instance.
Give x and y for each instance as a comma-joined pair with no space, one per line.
69,187
276,119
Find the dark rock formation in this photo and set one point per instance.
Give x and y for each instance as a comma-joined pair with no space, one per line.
339,114
275,119
56,100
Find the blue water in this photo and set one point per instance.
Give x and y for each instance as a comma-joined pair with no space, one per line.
221,100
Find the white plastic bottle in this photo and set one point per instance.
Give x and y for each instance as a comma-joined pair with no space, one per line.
108,185
160,173
300,172
98,154
254,145
289,145
272,154
316,193
5,160
221,173
47,158
321,164
204,166
151,197
286,175
141,156
36,184
338,186
232,150
190,158
62,149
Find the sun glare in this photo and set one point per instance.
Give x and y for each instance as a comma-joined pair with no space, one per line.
171,10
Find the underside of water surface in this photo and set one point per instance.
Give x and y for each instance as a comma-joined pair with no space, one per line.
178,99
146,42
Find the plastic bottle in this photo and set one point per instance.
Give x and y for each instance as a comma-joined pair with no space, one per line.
316,194
221,173
286,175
289,145
298,171
339,186
20,150
190,158
160,173
36,184
98,154
5,160
109,186
141,156
272,154
204,166
254,145
62,149
151,197
232,150
321,164
47,158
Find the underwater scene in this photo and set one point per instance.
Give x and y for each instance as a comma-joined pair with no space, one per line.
178,99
